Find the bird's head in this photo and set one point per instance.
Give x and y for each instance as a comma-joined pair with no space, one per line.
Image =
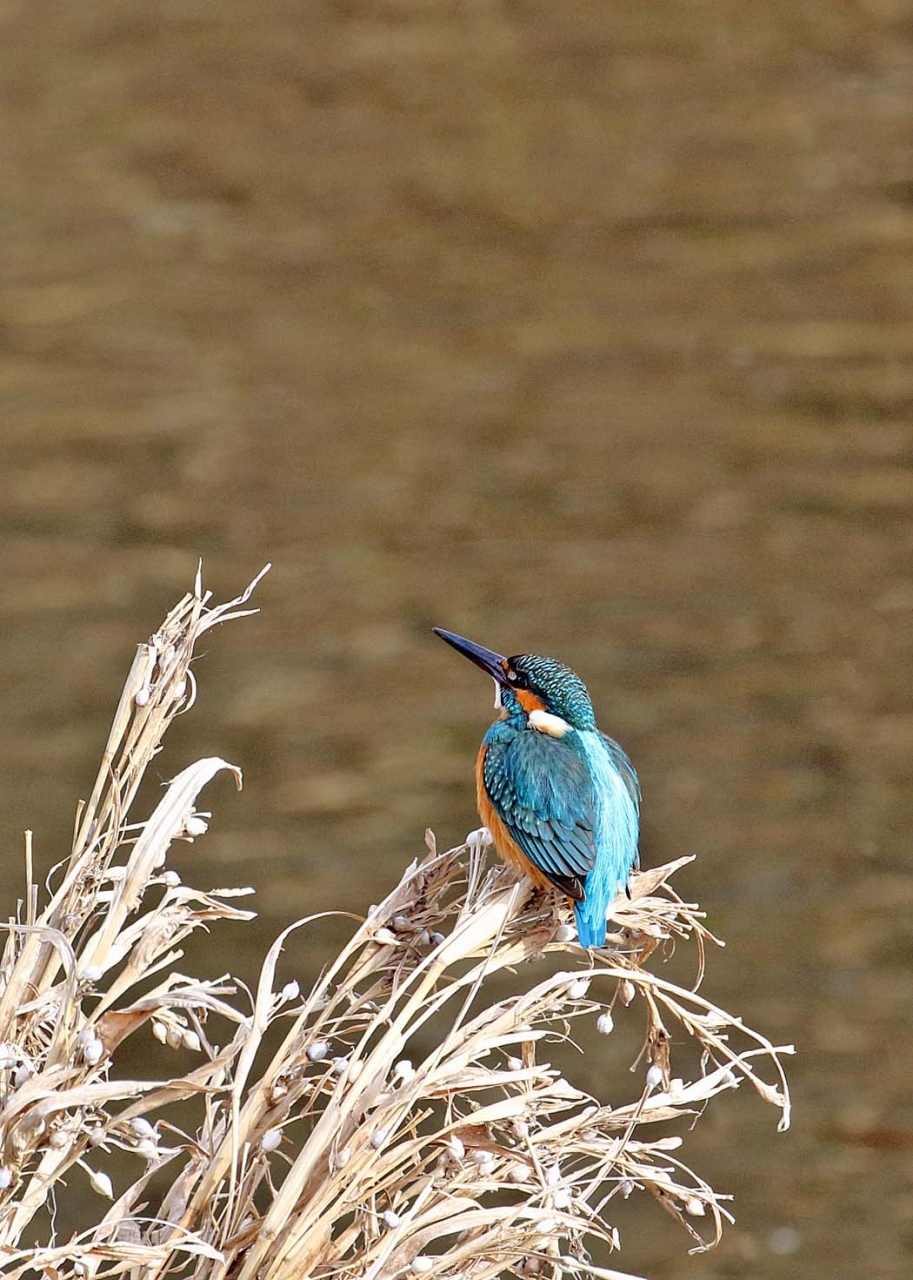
547,693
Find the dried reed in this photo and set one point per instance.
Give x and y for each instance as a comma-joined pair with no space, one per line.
405,1124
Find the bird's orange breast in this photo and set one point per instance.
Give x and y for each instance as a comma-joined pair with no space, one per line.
505,845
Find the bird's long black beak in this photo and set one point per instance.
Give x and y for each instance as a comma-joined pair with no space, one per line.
491,662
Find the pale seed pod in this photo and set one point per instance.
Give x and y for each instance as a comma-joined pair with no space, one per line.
317,1051
191,1041
654,1076
626,991
101,1183
271,1140
605,1024
93,1051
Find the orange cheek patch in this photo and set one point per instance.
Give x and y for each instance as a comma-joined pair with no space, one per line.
529,702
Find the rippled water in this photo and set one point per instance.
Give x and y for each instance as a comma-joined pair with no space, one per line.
583,330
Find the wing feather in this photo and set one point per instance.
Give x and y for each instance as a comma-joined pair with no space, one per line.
542,792
622,763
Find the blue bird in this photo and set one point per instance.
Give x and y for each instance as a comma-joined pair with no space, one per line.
560,799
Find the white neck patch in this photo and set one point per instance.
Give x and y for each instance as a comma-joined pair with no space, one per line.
545,722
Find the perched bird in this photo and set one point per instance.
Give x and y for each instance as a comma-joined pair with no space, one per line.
560,798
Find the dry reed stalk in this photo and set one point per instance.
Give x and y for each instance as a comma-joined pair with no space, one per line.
406,1123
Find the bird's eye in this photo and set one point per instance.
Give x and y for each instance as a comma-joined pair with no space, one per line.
512,677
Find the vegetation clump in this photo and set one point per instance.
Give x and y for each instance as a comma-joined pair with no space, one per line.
401,1117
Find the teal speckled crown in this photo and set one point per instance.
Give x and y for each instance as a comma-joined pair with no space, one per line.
560,688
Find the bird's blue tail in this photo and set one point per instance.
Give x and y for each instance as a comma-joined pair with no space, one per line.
608,878
591,932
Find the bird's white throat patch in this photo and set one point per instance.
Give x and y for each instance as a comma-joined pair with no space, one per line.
545,722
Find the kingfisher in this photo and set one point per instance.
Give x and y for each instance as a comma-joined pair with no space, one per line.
560,798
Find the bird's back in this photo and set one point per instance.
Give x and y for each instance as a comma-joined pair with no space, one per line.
617,823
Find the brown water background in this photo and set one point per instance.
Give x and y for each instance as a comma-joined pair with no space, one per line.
582,328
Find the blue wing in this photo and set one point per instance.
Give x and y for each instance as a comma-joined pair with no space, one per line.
542,792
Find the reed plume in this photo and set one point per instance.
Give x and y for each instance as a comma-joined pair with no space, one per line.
399,1118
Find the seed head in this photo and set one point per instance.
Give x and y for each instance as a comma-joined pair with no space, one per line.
271,1140
654,1076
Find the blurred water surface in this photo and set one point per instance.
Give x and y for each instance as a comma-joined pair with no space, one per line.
580,329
